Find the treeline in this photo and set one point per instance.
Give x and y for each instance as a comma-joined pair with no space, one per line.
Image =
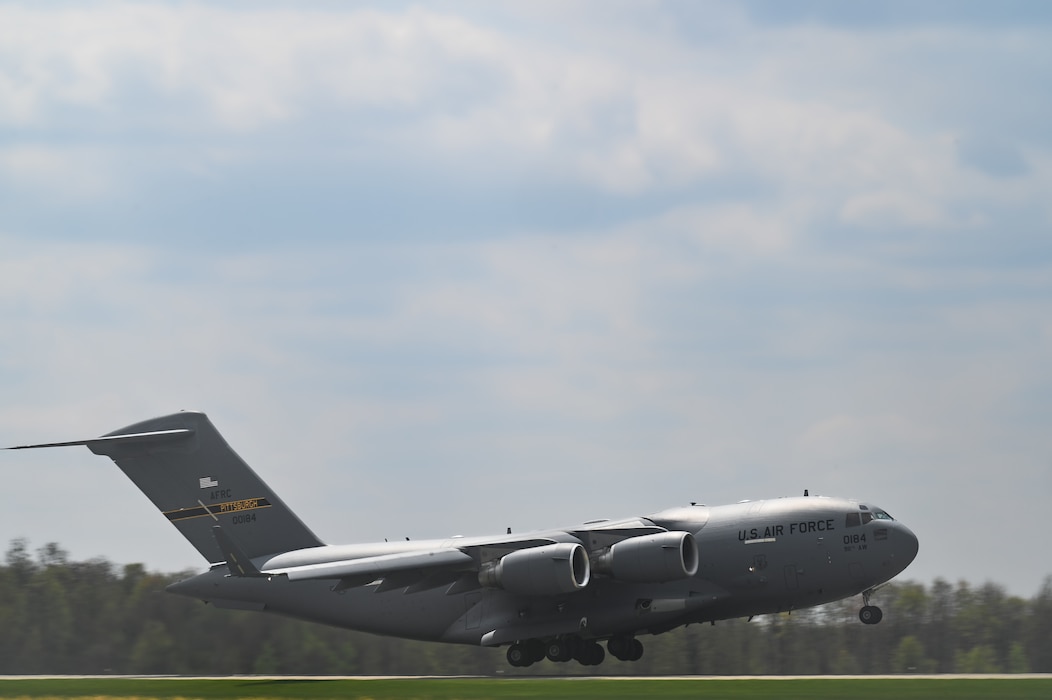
64,617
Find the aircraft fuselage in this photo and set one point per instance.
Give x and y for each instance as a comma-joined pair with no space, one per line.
755,557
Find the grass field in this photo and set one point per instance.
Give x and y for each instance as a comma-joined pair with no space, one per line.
468,688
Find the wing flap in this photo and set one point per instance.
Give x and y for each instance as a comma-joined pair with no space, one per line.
400,566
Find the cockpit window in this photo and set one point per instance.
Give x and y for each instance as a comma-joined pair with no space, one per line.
868,515
853,520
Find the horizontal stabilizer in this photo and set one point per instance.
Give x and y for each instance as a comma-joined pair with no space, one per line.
151,436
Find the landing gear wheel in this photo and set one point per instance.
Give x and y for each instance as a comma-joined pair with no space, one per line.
598,654
559,650
535,649
516,655
590,654
870,614
519,655
618,646
625,648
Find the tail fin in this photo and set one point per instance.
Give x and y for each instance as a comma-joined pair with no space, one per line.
186,468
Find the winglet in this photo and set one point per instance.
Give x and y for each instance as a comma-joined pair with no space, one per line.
236,560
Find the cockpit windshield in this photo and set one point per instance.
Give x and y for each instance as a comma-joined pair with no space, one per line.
865,515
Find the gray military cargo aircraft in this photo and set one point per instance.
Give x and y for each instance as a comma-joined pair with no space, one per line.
552,594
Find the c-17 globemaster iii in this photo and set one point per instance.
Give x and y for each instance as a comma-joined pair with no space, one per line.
552,594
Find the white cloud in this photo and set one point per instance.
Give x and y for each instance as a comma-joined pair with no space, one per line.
662,113
881,209
62,174
725,322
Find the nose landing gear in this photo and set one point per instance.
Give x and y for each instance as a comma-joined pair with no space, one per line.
869,614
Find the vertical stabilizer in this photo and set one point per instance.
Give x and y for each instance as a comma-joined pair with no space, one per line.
187,469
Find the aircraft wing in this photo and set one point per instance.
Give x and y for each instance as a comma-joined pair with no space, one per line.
416,569
537,564
436,567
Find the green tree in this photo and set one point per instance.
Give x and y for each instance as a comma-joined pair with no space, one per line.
1017,661
19,564
845,663
153,651
1037,627
980,659
909,657
938,634
266,662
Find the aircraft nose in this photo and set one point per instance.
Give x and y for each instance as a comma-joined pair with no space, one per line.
906,546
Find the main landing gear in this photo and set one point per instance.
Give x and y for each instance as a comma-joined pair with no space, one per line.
586,652
625,648
869,614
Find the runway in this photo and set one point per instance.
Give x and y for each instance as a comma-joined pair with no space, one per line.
943,676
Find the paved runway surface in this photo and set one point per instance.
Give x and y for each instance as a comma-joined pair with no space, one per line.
947,676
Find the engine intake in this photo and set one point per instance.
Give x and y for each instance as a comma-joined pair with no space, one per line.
547,570
668,556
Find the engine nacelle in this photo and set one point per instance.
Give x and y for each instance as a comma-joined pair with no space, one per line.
547,570
667,556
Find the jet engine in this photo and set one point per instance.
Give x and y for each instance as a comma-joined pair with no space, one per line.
547,570
667,556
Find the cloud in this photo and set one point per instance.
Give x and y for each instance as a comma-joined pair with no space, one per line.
76,175
992,156
661,115
594,260
893,208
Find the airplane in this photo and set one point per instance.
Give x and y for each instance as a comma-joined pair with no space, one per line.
550,594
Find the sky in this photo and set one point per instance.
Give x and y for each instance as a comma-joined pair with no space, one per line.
448,268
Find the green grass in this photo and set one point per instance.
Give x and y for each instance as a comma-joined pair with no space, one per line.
466,689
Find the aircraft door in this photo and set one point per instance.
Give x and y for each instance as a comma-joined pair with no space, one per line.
791,582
